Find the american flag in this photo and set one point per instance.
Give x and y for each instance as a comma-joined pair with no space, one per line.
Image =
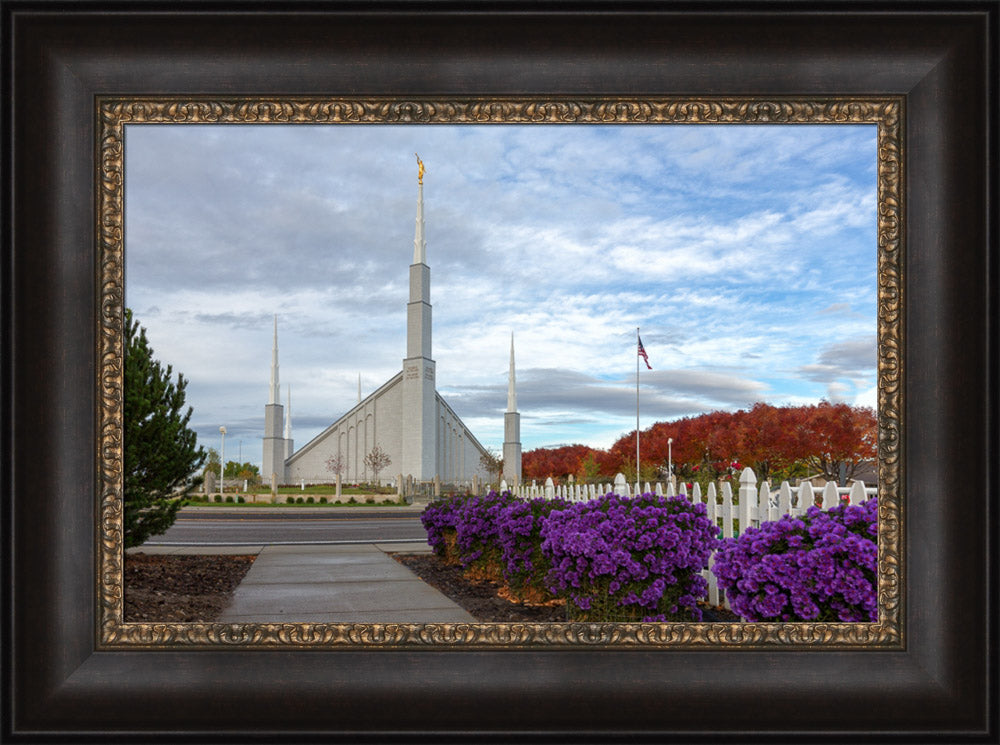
642,353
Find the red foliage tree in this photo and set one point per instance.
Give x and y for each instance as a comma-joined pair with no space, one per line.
776,442
840,435
560,463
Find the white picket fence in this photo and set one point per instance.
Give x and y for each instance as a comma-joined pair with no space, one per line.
753,503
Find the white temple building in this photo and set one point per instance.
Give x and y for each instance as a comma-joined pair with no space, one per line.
406,417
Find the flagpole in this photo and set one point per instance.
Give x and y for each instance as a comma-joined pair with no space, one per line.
636,411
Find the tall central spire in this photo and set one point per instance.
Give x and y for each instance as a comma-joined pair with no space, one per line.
275,396
420,457
419,245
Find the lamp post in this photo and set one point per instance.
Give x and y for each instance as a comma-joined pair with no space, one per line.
222,461
670,459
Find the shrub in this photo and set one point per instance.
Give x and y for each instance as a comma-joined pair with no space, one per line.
819,567
299,500
439,519
290,500
369,500
630,559
352,500
322,500
229,499
310,500
241,500
519,538
476,533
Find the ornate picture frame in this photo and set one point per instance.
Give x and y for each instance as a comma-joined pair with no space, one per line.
73,671
886,114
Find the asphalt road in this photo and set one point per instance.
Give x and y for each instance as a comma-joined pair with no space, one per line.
284,527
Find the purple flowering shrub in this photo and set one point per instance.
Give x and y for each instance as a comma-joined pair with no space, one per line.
476,527
519,538
439,519
819,567
630,559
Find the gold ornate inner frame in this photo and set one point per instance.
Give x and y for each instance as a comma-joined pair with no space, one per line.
113,113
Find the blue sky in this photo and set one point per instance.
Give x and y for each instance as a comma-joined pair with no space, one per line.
746,254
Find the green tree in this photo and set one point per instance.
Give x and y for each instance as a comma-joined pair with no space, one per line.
161,454
491,462
212,462
242,471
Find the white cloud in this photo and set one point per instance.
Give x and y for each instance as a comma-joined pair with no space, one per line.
745,254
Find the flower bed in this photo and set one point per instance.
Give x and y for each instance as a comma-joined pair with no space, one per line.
439,519
523,563
476,532
630,559
819,567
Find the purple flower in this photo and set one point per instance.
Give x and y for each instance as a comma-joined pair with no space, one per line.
822,566
633,558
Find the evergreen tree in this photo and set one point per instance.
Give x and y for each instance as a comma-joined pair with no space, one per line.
160,452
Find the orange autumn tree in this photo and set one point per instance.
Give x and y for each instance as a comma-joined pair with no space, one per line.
579,461
777,442
838,434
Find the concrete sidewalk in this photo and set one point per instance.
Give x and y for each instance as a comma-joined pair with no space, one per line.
336,583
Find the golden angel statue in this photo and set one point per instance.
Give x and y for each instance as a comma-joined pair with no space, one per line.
420,170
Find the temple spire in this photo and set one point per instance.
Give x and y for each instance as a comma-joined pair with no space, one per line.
275,396
419,245
511,388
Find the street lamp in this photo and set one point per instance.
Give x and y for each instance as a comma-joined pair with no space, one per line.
222,460
670,459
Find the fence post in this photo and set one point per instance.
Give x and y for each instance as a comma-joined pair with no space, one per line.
727,510
550,490
806,498
764,502
784,499
858,493
748,494
621,487
831,498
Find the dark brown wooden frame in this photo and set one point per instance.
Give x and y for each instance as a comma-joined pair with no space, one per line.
57,58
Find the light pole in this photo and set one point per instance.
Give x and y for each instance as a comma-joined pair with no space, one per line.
222,460
670,459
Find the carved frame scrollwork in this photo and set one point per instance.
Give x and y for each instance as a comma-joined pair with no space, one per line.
113,114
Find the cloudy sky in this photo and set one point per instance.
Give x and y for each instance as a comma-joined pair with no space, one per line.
745,253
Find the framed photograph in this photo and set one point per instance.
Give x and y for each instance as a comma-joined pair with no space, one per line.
79,79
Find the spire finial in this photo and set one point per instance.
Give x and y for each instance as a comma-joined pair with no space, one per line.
419,245
511,389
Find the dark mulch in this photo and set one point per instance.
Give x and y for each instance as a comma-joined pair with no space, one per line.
176,587
480,598
179,587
